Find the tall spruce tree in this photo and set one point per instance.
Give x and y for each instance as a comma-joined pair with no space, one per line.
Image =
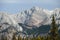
14,37
38,38
19,37
54,29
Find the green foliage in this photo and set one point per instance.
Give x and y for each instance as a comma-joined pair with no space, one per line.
54,29
19,38
14,37
42,38
48,38
38,38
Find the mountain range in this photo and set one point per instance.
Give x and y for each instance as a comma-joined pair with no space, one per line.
35,21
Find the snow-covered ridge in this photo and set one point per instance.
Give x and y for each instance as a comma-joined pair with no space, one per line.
28,19
34,17
6,18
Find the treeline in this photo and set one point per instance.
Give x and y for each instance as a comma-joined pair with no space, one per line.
33,38
36,38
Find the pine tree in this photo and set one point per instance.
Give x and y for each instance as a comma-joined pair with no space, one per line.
38,38
42,38
19,37
14,37
48,38
33,38
54,29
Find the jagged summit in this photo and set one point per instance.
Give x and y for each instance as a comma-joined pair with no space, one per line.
36,8
27,21
35,14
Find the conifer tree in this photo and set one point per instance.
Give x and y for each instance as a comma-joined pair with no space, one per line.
14,37
42,38
48,38
19,37
38,38
54,29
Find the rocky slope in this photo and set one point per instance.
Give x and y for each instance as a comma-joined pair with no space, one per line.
34,21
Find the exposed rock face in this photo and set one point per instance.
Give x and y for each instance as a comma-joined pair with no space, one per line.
30,21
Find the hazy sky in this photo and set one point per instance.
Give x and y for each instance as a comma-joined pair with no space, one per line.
14,6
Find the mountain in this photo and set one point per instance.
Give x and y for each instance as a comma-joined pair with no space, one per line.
34,21
5,18
33,17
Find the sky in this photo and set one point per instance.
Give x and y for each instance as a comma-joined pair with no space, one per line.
15,6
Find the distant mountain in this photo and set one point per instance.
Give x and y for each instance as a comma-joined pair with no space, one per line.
35,21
